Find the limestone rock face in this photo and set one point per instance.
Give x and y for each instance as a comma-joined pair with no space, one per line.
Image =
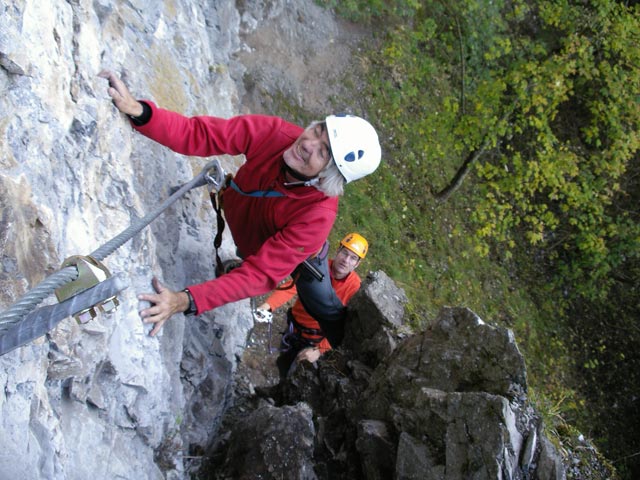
104,399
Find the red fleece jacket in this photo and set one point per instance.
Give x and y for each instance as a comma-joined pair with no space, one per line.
273,234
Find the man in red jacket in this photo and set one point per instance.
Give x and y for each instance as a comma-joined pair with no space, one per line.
309,336
284,197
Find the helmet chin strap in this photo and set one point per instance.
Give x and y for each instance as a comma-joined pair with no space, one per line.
308,183
303,180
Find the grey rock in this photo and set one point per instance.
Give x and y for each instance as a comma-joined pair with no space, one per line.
414,461
376,448
550,464
272,443
375,312
449,402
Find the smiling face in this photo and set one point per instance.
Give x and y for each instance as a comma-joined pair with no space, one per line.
344,263
311,152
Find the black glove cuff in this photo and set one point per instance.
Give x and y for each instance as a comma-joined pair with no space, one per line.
144,117
192,304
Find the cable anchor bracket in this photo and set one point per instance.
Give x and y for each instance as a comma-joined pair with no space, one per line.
90,273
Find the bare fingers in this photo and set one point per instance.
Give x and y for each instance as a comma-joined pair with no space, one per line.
119,93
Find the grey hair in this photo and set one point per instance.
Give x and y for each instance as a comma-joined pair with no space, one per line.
331,180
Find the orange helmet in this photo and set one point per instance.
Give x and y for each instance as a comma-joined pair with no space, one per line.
356,243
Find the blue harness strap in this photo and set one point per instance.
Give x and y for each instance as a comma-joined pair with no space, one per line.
256,193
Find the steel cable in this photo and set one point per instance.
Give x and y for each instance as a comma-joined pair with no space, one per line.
35,296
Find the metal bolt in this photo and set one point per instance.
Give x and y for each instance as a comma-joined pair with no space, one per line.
85,316
110,305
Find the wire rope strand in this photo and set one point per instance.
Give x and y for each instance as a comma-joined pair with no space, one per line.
35,296
112,245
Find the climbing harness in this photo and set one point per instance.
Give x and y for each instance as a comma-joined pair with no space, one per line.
255,193
83,284
301,331
297,337
216,201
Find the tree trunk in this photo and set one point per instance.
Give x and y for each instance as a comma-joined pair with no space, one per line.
444,194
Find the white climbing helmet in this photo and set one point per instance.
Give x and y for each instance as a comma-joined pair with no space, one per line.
354,145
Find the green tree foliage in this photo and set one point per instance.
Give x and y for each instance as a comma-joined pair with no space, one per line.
556,176
548,92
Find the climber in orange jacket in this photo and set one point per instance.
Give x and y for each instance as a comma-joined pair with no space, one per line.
306,337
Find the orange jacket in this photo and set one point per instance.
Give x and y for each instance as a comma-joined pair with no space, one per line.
345,289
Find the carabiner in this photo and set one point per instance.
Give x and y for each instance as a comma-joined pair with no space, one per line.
215,175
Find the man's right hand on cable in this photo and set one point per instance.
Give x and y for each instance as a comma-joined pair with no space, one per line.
164,304
122,98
